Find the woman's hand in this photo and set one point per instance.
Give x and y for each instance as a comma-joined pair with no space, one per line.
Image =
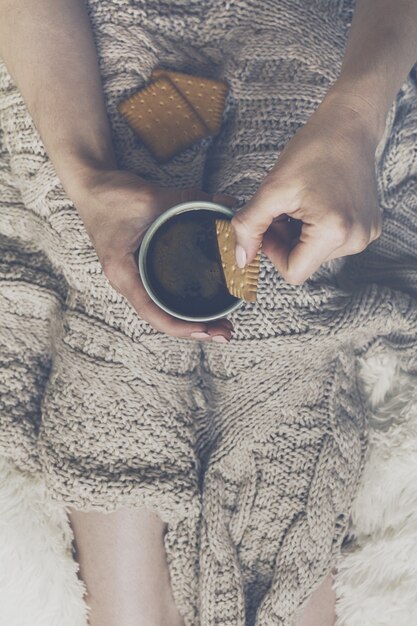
325,177
51,58
117,207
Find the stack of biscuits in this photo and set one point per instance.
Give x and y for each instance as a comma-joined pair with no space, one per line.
174,111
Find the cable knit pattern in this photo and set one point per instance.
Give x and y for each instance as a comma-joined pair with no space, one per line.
251,452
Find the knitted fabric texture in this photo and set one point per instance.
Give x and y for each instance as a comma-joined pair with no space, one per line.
251,452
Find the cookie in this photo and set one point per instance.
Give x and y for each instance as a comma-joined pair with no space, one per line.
163,119
206,95
241,283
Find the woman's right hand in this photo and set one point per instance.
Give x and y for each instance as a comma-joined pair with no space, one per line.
117,208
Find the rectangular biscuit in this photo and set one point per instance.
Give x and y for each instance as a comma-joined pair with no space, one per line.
206,95
241,283
163,119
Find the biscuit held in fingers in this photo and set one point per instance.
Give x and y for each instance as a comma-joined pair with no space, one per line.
241,282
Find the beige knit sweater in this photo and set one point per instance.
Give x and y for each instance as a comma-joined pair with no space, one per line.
251,452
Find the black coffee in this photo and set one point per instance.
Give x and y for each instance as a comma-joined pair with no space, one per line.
184,266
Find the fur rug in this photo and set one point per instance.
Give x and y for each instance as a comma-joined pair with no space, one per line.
377,572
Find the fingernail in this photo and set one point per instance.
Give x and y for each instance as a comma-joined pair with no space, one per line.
220,339
199,335
240,255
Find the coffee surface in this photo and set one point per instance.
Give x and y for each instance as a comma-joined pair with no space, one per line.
184,265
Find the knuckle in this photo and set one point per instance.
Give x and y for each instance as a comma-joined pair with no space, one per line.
376,232
359,243
339,230
275,186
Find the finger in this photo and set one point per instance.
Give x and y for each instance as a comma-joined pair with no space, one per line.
308,253
342,250
226,200
226,322
254,218
216,329
223,328
276,244
354,245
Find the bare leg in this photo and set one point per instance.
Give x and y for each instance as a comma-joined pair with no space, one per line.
320,609
123,564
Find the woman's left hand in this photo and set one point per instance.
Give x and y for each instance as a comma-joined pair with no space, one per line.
325,177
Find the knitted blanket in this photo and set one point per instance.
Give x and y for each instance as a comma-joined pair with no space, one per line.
251,452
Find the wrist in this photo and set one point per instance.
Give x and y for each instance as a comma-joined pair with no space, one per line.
78,168
99,184
362,102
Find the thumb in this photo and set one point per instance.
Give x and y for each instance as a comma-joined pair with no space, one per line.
253,220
